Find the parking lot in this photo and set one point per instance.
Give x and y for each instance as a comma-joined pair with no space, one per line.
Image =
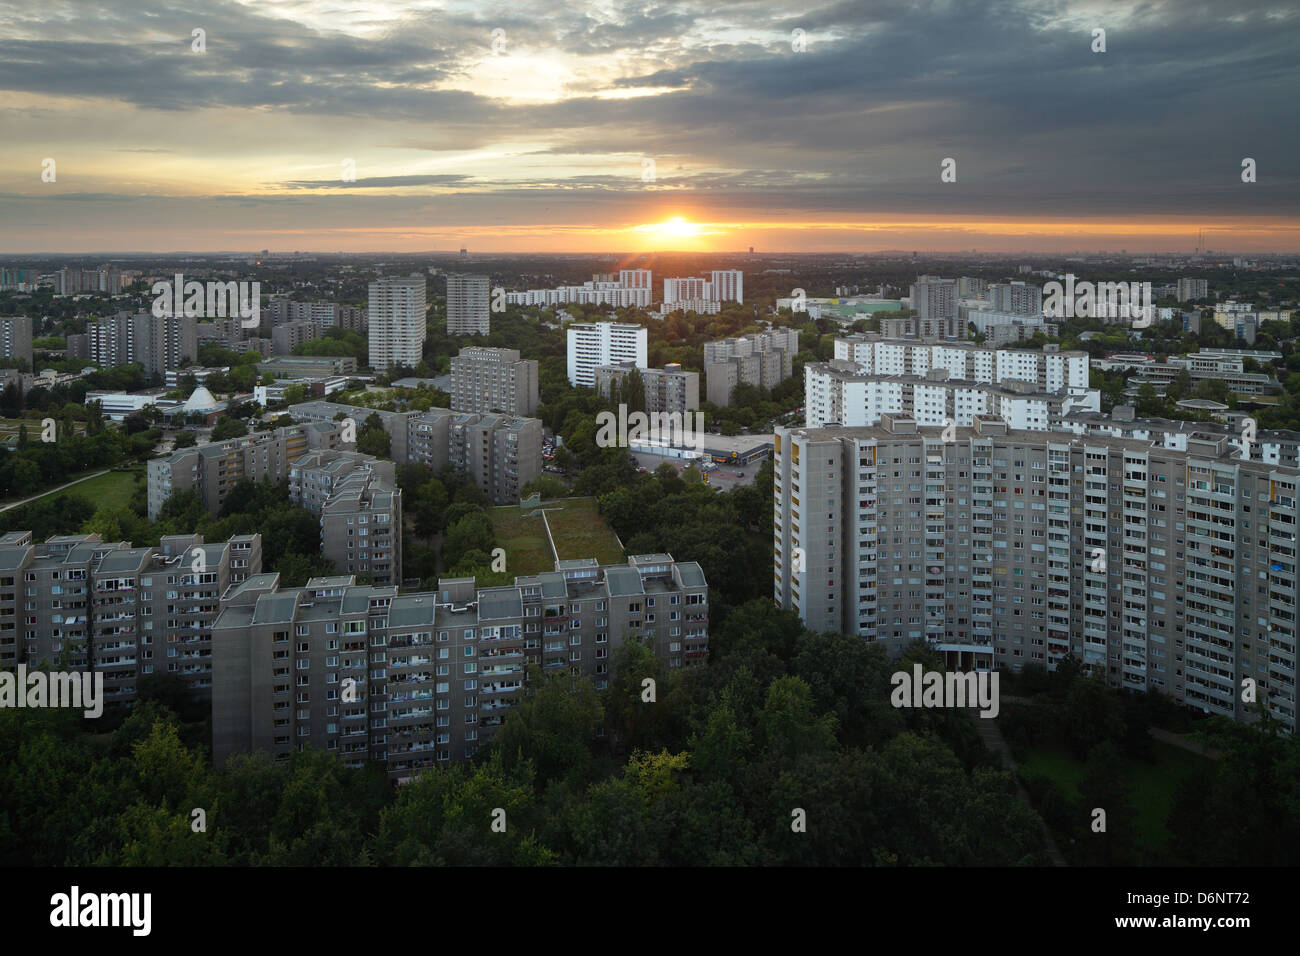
722,476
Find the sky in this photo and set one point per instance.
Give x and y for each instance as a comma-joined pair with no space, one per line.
560,125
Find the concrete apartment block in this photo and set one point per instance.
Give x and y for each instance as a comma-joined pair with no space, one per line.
764,360
603,343
214,468
420,680
16,338
289,335
669,389
360,509
158,343
397,312
83,604
500,453
1165,563
493,380
467,304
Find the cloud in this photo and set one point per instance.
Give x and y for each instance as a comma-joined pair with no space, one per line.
739,124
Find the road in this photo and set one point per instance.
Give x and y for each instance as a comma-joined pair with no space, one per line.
19,504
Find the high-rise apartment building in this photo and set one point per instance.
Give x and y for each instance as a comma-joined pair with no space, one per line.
467,304
838,392
414,681
765,359
1050,368
604,343
668,389
1189,290
396,312
157,343
935,302
493,380
287,336
213,469
1164,568
633,289
1016,298
16,338
323,315
70,280
728,285
687,289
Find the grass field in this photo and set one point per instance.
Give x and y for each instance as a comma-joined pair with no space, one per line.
576,527
527,548
1152,784
113,490
580,532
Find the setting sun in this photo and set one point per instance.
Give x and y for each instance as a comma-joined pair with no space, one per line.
674,228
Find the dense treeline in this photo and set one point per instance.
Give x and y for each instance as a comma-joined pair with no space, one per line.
1243,809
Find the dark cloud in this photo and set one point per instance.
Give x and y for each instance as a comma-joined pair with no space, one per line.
857,124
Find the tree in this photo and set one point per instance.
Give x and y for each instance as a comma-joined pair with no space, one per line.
185,439
372,439
229,426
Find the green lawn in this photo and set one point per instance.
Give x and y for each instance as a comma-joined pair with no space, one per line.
113,490
1153,785
1057,766
580,532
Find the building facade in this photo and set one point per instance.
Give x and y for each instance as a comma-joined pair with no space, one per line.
158,343
414,681
764,360
604,343
493,380
16,338
79,603
1162,568
668,389
467,304
360,509
214,468
396,312
500,453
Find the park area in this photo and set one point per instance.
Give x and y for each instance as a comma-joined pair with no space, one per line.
576,531
111,490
